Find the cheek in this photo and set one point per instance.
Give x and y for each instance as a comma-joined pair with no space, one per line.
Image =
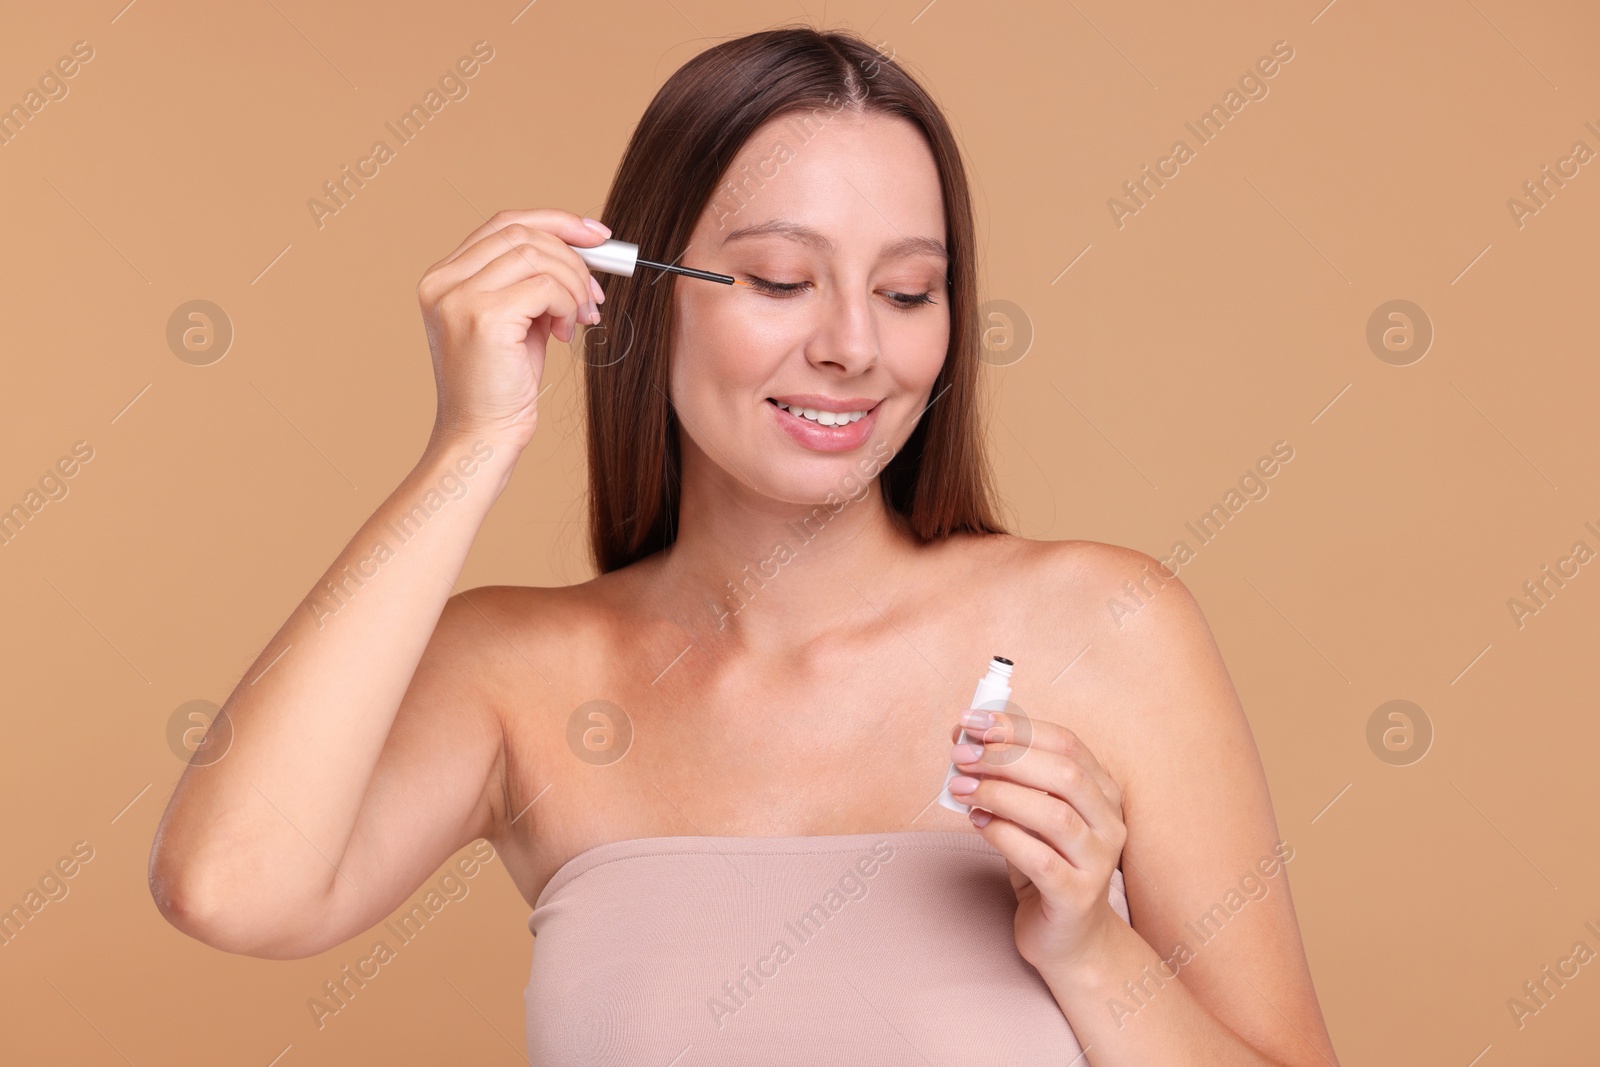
918,350
721,354
763,345
744,344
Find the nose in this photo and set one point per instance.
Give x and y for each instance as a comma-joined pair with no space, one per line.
848,337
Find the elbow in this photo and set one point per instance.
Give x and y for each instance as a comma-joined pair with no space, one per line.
212,915
182,899
179,904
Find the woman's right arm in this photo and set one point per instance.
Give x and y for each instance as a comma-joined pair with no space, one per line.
364,745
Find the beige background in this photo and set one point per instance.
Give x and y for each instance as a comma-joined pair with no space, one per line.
1228,314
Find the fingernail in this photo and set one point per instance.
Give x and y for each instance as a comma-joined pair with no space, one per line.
979,817
599,293
966,753
977,719
961,784
591,314
597,226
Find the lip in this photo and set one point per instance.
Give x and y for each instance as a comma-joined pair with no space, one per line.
818,402
820,438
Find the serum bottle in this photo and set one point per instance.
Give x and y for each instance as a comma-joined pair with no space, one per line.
994,689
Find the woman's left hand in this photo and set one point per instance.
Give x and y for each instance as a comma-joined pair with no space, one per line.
1056,816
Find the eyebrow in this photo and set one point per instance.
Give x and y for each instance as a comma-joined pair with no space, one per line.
905,246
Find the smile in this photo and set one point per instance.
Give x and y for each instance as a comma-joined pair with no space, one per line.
825,431
823,418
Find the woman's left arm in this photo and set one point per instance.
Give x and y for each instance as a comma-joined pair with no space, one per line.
1193,828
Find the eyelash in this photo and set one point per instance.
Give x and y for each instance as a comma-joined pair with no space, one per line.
911,303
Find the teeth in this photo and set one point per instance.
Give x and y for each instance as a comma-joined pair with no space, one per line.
824,418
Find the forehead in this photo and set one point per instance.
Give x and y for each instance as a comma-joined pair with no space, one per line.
850,176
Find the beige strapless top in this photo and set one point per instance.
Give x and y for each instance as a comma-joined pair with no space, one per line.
884,949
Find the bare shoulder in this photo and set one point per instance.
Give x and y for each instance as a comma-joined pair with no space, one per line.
1127,605
1099,590
512,636
1203,839
515,607
1095,567
1149,664
532,650
517,654
1128,648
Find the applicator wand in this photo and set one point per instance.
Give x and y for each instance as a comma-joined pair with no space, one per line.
621,257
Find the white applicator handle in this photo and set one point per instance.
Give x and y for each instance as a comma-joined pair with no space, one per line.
994,689
610,257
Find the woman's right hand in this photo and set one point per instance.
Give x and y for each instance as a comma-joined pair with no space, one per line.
490,307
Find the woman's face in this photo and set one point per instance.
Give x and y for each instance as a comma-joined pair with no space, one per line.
844,214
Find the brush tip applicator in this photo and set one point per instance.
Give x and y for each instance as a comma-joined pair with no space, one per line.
622,257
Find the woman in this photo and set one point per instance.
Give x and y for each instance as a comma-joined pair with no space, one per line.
711,769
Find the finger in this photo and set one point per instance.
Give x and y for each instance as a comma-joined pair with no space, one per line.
1049,772
1043,865
522,262
446,275
530,299
564,224
533,292
1052,818
1053,737
540,254
536,249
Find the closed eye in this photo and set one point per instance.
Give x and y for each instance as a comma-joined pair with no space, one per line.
904,301
775,287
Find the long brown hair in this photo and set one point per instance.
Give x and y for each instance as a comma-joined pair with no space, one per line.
939,480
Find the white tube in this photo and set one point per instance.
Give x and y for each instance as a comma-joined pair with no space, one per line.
609,257
994,689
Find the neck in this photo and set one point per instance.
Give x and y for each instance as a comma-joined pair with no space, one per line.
762,574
